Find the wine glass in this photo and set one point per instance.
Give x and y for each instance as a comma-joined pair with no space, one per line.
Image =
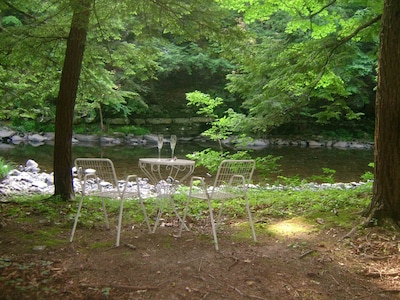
173,144
160,142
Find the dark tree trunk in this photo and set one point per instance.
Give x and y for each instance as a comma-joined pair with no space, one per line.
66,98
385,202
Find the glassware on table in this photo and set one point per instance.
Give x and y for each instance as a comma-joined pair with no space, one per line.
160,142
173,144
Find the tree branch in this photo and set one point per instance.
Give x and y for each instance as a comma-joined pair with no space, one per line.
322,8
19,10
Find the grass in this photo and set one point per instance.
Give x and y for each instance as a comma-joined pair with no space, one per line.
5,168
334,206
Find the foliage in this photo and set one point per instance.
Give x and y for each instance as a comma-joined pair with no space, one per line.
206,105
309,202
211,159
327,177
5,168
310,60
266,203
136,130
304,62
335,206
29,125
224,124
368,176
124,54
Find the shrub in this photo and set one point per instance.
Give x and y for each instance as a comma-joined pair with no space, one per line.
5,168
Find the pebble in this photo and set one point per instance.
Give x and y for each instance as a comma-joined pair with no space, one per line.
29,180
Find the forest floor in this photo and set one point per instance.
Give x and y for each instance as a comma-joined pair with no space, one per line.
301,261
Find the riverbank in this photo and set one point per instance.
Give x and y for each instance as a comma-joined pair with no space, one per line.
9,136
29,179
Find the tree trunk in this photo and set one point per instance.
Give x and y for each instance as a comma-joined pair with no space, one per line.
385,202
66,99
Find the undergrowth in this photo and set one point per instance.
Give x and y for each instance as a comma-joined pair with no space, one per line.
340,206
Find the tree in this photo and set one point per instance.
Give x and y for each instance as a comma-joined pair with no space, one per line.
66,98
173,17
120,53
311,61
385,202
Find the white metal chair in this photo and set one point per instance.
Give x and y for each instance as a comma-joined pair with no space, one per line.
231,181
97,177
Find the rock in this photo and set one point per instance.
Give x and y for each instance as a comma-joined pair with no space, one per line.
341,145
356,145
37,138
281,142
6,133
32,166
39,248
39,184
107,140
315,144
49,136
18,139
86,138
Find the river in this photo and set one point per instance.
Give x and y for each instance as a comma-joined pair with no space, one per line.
349,164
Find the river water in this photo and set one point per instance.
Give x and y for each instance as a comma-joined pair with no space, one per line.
349,164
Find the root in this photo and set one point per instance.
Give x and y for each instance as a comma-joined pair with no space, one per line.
363,224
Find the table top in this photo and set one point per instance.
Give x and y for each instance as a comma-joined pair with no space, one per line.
167,161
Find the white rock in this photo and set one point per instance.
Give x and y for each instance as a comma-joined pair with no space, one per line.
37,138
5,133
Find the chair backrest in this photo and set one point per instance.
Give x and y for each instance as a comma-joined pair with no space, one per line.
97,176
232,174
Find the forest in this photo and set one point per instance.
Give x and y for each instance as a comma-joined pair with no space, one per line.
304,67
326,67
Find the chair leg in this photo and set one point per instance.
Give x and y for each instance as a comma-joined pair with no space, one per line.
76,219
183,223
220,213
121,208
251,220
176,213
160,205
105,213
213,226
145,214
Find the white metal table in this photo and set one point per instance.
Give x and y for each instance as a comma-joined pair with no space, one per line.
166,175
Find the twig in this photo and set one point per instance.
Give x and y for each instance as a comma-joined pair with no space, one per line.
200,265
307,253
234,263
377,273
122,286
245,295
337,282
354,229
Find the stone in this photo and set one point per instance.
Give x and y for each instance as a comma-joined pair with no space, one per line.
315,144
39,248
36,138
86,138
32,166
356,145
18,139
6,133
341,145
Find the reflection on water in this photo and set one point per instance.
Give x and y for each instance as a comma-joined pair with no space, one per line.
349,164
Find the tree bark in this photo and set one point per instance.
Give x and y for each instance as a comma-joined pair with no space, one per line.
385,202
66,99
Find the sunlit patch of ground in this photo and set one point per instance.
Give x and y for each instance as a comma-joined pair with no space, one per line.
291,227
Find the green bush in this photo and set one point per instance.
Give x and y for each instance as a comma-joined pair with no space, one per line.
211,159
5,168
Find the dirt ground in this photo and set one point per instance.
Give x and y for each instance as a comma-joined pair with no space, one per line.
313,264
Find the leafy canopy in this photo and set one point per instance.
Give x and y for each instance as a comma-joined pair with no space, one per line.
305,60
